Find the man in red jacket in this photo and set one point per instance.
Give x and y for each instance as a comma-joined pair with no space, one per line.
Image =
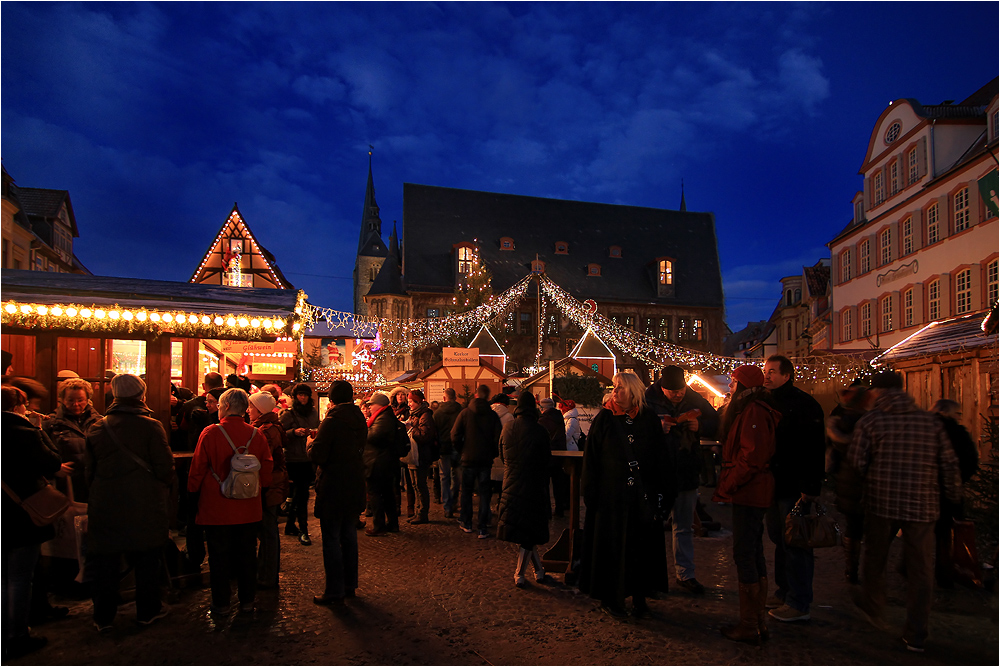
230,524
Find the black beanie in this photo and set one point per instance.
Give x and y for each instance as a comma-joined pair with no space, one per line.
341,391
672,378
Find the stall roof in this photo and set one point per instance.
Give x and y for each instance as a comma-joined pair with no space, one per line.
954,335
48,288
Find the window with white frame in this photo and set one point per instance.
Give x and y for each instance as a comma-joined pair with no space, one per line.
962,209
864,257
845,266
846,327
878,187
933,225
963,292
912,169
885,246
991,283
666,272
907,227
908,308
893,178
466,257
887,313
934,301
859,211
865,313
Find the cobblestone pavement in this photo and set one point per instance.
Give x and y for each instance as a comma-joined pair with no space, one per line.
435,595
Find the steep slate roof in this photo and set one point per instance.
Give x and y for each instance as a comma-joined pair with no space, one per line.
370,240
752,333
954,335
435,218
389,279
817,279
45,203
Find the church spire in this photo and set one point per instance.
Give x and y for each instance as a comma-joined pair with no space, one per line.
683,203
370,221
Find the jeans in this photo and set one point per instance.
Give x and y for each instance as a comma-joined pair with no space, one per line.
108,578
231,552
301,475
18,570
918,559
418,481
450,470
748,543
683,522
269,551
478,476
793,566
340,555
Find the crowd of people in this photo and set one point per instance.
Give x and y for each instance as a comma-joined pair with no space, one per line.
256,453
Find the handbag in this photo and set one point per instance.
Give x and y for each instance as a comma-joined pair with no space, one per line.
964,556
43,506
66,543
811,528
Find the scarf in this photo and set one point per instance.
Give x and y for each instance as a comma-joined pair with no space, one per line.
375,414
618,412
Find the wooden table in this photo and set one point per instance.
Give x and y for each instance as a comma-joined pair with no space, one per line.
559,557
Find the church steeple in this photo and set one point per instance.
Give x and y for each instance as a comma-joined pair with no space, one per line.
683,203
370,221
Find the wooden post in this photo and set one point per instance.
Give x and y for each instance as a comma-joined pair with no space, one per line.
46,352
158,379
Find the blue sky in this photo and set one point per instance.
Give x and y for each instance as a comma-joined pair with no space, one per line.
157,117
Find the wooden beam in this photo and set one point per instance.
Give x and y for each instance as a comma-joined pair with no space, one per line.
158,379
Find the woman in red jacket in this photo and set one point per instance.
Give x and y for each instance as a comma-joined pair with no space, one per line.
747,434
230,525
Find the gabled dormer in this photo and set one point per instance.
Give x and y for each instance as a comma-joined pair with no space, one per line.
236,259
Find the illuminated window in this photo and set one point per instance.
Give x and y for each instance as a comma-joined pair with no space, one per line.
963,292
866,318
847,330
908,308
933,225
864,257
934,301
991,283
885,246
887,313
962,209
666,272
698,330
907,236
466,257
845,266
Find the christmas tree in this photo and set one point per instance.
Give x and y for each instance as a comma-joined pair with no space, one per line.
475,288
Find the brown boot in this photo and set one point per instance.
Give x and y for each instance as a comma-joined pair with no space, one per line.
746,629
765,634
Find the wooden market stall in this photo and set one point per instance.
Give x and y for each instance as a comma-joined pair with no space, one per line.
98,326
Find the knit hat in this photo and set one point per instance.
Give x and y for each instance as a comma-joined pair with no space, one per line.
63,375
672,378
546,404
749,376
567,405
263,401
378,399
341,391
127,386
417,395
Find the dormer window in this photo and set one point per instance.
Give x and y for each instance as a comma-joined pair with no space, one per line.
594,270
562,248
506,243
537,266
664,276
615,251
465,254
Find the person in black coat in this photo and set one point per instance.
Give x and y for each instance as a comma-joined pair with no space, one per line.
799,466
340,490
30,461
476,436
551,420
524,502
624,505
381,461
950,412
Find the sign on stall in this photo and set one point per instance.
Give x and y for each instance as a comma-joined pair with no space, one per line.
460,356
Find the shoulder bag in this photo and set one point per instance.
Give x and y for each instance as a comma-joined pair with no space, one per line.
43,506
811,528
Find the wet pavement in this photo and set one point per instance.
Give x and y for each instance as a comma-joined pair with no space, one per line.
433,595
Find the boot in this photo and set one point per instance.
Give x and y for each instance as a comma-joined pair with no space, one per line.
852,558
765,634
746,629
522,566
536,563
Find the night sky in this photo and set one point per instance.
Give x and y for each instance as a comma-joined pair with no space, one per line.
157,117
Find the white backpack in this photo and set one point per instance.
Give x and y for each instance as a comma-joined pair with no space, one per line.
243,480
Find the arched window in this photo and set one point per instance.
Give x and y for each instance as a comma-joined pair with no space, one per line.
666,272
